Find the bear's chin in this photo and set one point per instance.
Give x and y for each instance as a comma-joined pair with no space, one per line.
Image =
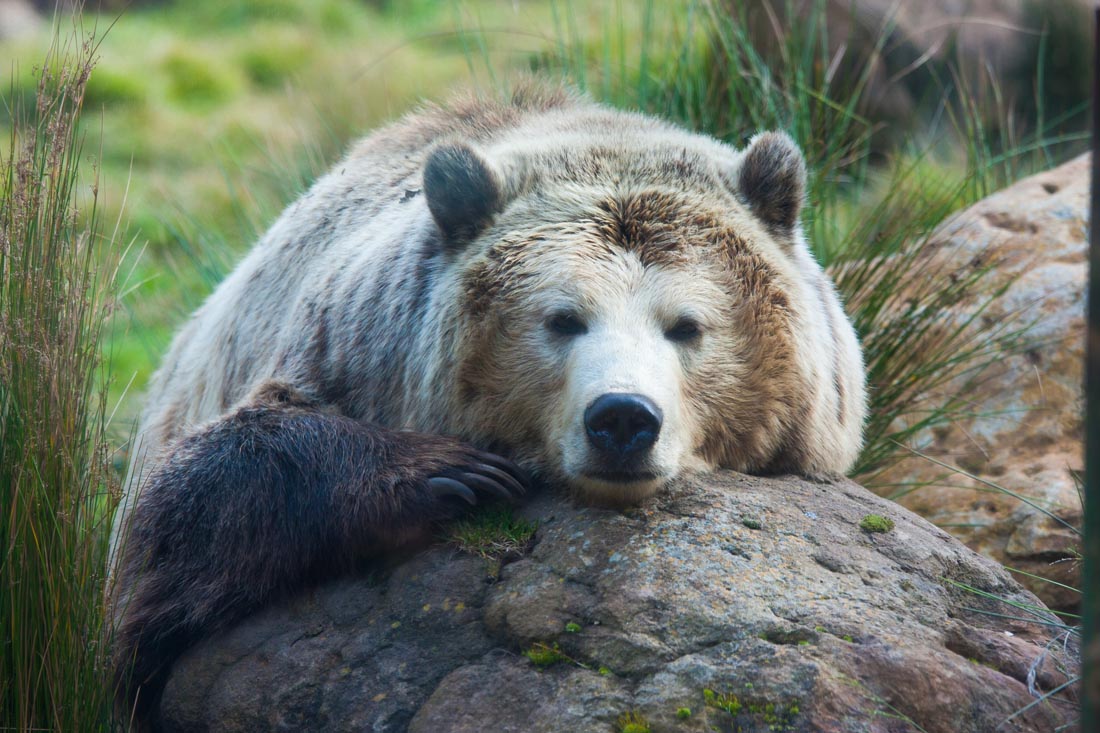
614,491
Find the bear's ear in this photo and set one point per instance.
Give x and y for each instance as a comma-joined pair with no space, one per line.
463,190
772,181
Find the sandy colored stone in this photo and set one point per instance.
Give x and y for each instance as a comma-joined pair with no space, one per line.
1027,429
808,621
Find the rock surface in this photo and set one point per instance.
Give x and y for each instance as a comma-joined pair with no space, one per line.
1027,429
764,592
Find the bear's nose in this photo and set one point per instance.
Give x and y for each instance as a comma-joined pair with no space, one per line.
622,423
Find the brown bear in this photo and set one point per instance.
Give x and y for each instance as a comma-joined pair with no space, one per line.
604,298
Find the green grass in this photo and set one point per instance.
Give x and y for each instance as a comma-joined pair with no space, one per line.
56,495
722,701
544,655
632,722
494,533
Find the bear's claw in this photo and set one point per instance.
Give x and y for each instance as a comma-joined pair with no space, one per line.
443,486
504,479
486,484
481,475
503,464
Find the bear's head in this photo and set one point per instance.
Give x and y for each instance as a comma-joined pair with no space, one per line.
629,309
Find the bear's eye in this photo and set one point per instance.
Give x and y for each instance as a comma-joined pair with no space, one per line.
685,329
566,324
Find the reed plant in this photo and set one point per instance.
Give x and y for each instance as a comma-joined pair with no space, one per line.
57,492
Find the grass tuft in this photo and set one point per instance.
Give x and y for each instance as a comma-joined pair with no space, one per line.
56,488
110,88
722,701
632,722
494,533
544,655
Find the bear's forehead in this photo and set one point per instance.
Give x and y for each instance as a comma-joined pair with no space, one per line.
617,157
663,227
659,225
693,246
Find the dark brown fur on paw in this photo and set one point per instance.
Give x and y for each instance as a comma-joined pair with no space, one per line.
452,469
317,492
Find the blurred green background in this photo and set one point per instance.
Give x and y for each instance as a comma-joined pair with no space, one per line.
205,118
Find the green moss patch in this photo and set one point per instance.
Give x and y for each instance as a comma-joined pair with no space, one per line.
722,701
777,716
545,655
876,523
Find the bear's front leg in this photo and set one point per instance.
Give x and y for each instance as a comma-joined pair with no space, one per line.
276,495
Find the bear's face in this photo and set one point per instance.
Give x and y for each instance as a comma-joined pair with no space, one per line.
644,334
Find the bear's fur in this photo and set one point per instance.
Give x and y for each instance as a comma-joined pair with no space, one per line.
604,298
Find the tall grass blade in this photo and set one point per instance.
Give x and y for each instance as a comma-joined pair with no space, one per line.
56,489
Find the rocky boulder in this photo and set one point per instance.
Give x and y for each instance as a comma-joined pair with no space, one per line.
728,603
1025,431
906,51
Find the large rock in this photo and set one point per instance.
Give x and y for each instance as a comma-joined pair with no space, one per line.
765,592
908,52
1026,432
